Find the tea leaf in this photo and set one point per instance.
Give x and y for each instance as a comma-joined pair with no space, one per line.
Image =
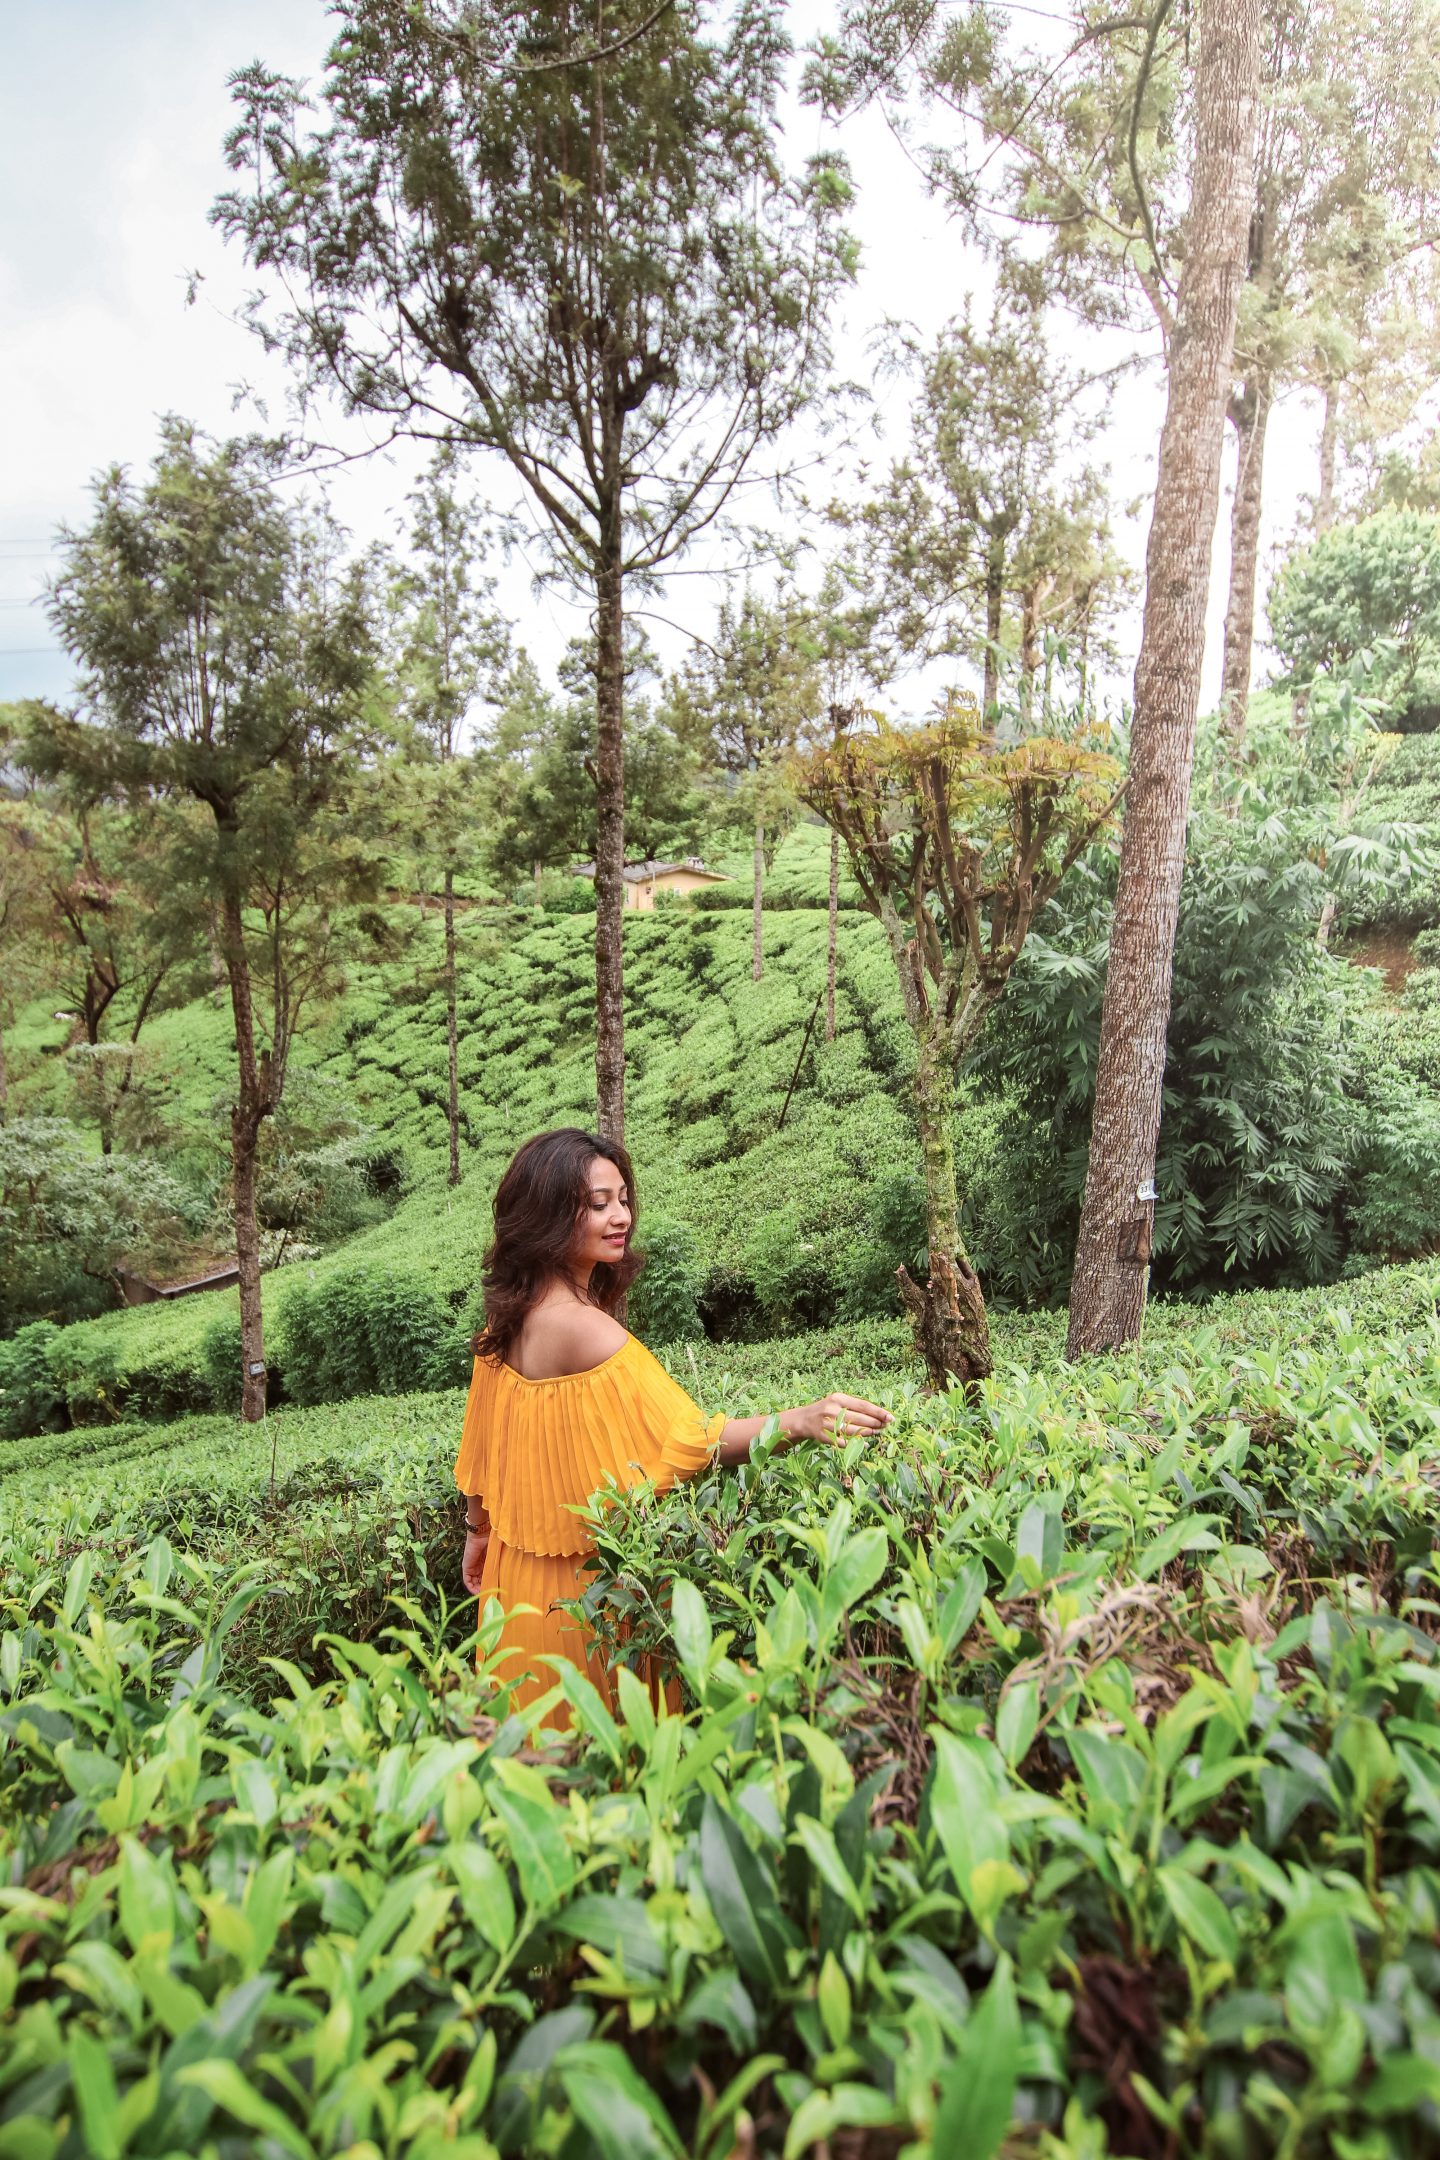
977,2095
1200,1913
739,1891
542,1857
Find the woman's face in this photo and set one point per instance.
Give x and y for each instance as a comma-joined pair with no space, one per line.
604,1224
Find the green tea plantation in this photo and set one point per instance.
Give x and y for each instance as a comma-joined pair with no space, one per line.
1057,1776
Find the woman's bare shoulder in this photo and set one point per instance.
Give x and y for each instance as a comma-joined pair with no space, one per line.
561,1340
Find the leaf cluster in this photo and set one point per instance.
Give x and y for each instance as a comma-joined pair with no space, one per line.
1096,1708
956,841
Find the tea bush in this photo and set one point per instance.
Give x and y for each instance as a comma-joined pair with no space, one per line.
30,1401
1300,1135
1058,1776
218,1358
368,1331
663,1304
1406,790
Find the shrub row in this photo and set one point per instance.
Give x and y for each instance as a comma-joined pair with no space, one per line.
358,1330
364,1327
1059,1775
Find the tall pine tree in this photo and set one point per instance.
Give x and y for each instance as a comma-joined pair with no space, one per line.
561,233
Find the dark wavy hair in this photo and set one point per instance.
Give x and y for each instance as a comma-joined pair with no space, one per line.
538,1204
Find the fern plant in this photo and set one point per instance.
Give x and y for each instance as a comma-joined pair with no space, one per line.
1269,1110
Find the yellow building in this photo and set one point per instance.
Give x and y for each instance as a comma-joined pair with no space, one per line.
644,879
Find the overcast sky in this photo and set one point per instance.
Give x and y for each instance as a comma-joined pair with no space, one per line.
111,122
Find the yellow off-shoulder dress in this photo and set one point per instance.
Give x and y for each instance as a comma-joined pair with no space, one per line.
536,1451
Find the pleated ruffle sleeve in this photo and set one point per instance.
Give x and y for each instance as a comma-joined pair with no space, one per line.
537,1451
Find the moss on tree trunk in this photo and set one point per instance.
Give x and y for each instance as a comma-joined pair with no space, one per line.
952,1331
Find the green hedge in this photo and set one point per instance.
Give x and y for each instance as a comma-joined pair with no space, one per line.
777,898
370,1332
1058,1775
31,1400
356,1329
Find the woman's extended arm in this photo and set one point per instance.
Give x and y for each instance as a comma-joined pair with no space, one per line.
832,1417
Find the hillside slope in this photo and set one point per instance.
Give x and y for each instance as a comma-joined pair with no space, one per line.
771,1225
756,1227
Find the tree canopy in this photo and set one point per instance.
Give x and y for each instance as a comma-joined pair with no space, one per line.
599,271
227,659
1368,590
956,842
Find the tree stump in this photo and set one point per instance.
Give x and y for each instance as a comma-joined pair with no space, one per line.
952,1332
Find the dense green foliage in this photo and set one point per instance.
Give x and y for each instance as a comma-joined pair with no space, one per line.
1406,790
67,1218
1301,1131
1300,1136
1367,593
1067,1760
1055,1776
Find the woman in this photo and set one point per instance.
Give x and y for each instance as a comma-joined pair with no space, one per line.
564,1403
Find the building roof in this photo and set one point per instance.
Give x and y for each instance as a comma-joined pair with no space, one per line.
643,873
215,1278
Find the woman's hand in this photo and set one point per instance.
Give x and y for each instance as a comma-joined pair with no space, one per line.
834,1417
477,1545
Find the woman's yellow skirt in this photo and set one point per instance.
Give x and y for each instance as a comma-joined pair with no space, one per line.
546,1581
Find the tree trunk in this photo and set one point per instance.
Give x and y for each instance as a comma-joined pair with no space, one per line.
244,1149
757,917
1029,661
831,939
251,1105
1107,1294
1031,653
217,957
994,596
1329,441
610,844
1251,413
952,1331
4,1078
452,1033
93,1007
